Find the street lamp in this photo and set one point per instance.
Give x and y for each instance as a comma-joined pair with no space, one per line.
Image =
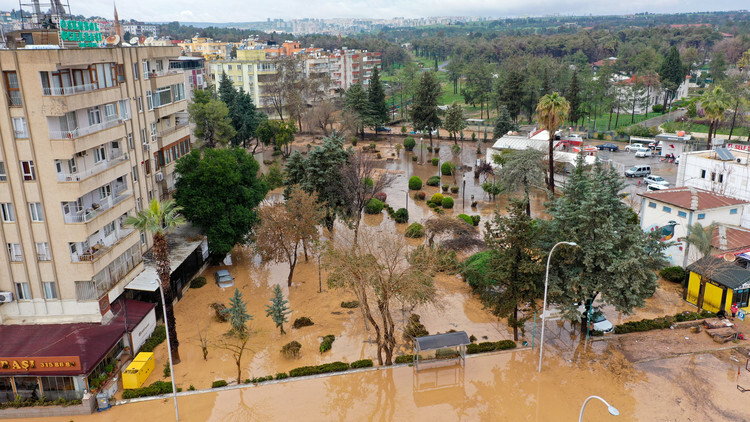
169,350
612,410
544,306
421,148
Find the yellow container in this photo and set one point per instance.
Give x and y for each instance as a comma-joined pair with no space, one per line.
138,371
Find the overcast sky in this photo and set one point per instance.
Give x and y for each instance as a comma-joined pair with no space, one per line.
247,11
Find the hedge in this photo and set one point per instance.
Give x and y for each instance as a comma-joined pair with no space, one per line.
373,206
197,282
259,379
404,359
414,231
415,183
409,143
155,389
435,161
660,323
401,216
350,305
320,369
364,363
466,218
19,403
489,346
673,274
447,202
433,181
437,198
445,169
219,383
327,343
157,338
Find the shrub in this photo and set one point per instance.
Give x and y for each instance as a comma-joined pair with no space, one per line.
302,322
414,231
644,325
692,316
373,206
155,389
332,367
401,216
454,189
350,305
429,148
303,371
639,130
327,343
475,220
447,202
373,146
673,274
420,195
281,375
259,379
445,188
364,363
415,183
446,169
166,371
414,158
354,141
437,198
473,338
657,108
157,338
191,388
409,143
381,196
414,328
435,161
445,354
404,359
436,149
219,383
466,218
197,282
291,349
488,346
433,181
221,311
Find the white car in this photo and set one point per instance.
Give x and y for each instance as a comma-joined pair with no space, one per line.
654,186
655,180
600,321
677,160
633,147
643,152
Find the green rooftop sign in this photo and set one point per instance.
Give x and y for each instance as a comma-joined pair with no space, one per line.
86,34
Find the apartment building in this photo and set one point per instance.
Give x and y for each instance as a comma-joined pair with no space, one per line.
194,71
89,137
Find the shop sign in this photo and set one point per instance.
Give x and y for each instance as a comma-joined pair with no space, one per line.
40,364
86,34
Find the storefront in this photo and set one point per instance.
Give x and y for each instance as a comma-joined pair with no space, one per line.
715,284
66,360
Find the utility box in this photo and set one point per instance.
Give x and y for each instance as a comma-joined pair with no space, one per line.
138,371
102,402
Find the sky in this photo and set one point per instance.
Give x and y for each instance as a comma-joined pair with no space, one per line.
249,11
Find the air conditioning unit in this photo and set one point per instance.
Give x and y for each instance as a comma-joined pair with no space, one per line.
6,297
147,147
82,154
126,156
159,176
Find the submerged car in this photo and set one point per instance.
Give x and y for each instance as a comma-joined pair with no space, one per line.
223,278
600,321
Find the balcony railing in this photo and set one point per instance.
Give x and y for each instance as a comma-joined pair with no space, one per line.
69,90
163,72
87,130
82,215
100,248
98,168
173,129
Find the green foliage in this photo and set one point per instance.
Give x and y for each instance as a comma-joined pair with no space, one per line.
156,389
191,388
197,282
291,349
424,111
414,328
409,143
657,108
466,218
212,123
404,359
327,343
219,191
415,183
445,188
218,384
302,322
447,202
167,372
237,314
377,109
278,309
692,110
445,354
446,169
475,220
364,363
373,206
414,158
433,181
320,369
281,375
435,161
490,346
260,379
401,216
454,119
278,133
673,274
492,189
350,305
274,178
437,198
414,231
156,338
639,130
454,189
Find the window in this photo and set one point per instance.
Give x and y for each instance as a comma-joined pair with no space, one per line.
140,104
666,209
3,174
159,66
35,208
109,229
703,174
131,143
42,251
143,238
145,69
229,67
28,170
239,78
652,204
701,216
15,252
149,100
19,128
682,214
9,215
13,89
50,292
104,192
733,211
110,111
95,116
72,166
721,178
152,127
741,297
23,292
136,71
99,154
135,173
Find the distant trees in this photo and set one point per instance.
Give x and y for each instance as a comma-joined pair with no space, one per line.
424,112
503,123
574,90
552,109
358,107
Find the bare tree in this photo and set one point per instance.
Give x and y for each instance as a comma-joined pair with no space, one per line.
203,337
236,345
322,116
287,87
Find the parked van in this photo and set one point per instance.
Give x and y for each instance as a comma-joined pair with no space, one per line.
640,170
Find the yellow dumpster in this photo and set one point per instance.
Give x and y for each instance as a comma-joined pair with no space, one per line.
138,371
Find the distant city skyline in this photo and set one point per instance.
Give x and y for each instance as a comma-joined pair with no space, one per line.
238,11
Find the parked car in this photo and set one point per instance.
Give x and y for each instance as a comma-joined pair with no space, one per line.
654,186
608,146
633,147
638,170
382,129
654,179
223,278
600,321
643,152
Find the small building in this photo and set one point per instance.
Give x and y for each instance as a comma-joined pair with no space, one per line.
715,284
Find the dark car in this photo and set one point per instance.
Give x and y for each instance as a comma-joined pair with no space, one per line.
382,129
608,146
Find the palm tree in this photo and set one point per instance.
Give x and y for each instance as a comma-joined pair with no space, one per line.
700,238
714,103
552,109
522,170
158,219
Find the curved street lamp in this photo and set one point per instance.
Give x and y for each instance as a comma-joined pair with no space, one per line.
544,307
612,410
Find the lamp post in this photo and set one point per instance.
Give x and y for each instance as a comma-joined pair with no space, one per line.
421,148
169,349
544,306
612,410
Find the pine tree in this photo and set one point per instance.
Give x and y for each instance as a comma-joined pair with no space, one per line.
245,118
512,91
377,109
671,74
278,309
574,114
503,123
454,121
424,112
357,103
227,91
237,313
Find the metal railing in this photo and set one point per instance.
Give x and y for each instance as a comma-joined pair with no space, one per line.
98,168
102,246
171,130
163,72
84,215
87,130
69,90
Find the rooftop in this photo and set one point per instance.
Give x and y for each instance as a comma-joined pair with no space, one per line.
717,269
693,199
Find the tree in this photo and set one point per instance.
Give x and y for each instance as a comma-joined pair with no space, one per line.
614,259
513,275
285,227
357,103
478,85
237,314
699,237
279,133
455,121
159,219
715,103
278,310
511,91
236,345
245,119
424,112
552,109
219,190
718,66
455,69
671,74
574,114
523,170
383,271
377,109
226,90
503,123
212,123
323,116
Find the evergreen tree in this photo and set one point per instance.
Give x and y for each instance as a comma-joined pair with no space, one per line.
718,67
512,91
245,118
226,90
377,109
503,123
278,309
671,74
357,103
424,112
454,121
573,97
522,171
211,118
237,314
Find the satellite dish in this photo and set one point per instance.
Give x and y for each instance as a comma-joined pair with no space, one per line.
134,40
729,257
149,40
141,40
112,40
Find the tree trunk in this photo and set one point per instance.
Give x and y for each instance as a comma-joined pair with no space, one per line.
161,256
515,324
710,128
734,117
528,199
551,181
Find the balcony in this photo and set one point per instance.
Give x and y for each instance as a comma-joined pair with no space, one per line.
101,246
84,215
68,90
114,161
86,130
163,72
172,134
